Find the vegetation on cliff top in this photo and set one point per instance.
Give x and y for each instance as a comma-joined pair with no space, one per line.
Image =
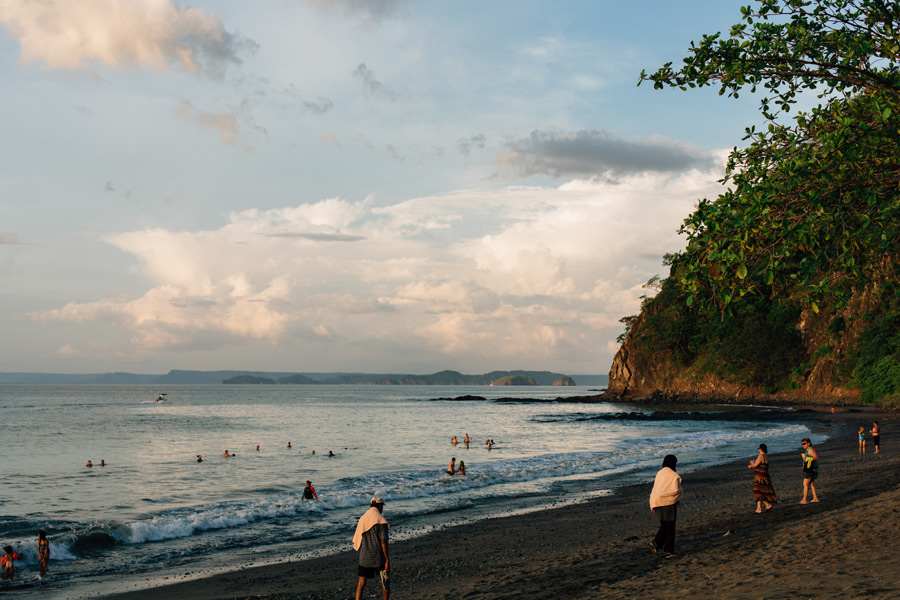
810,218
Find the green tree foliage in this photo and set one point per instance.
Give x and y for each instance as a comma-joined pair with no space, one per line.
811,206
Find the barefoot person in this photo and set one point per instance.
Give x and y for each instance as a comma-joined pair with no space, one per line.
43,548
762,484
371,540
876,439
862,440
664,503
810,470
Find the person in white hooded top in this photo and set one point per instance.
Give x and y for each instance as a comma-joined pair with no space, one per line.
664,503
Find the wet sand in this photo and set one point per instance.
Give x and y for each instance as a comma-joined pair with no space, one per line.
838,548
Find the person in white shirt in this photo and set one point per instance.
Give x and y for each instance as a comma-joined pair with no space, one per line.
664,503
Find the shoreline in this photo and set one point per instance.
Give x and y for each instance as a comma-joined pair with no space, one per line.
599,548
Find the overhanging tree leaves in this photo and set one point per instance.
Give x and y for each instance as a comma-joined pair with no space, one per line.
812,205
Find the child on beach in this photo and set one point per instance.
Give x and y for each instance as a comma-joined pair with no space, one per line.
862,440
43,546
7,561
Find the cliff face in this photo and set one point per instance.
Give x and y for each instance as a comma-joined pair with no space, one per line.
637,372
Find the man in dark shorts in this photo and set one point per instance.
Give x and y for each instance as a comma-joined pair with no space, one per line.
371,539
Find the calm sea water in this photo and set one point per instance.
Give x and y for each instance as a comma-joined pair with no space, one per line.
154,511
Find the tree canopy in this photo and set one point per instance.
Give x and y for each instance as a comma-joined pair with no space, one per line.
812,204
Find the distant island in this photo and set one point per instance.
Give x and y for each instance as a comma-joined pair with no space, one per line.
185,377
439,378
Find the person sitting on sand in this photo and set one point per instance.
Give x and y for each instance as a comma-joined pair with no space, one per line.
810,470
762,484
664,500
89,465
7,561
862,440
876,439
451,468
454,441
309,492
43,548
462,468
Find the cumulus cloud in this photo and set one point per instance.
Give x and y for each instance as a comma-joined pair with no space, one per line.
154,34
471,278
597,154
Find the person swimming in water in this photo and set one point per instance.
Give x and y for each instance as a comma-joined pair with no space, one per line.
462,468
102,463
451,468
330,453
454,441
257,447
89,464
199,458
7,561
226,455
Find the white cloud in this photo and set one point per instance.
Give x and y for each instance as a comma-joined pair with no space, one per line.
155,34
478,277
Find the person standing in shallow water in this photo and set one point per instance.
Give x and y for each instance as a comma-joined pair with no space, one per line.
664,499
876,439
762,484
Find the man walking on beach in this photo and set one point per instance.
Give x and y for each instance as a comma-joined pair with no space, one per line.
371,540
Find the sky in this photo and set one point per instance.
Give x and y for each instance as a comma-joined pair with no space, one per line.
396,186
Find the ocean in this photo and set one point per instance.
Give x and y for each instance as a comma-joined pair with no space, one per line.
153,513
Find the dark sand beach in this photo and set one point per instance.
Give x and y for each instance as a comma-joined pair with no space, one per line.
838,548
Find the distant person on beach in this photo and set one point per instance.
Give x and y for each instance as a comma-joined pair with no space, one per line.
862,440
810,470
43,548
762,484
454,441
664,499
451,468
462,468
89,464
7,561
371,540
876,439
309,492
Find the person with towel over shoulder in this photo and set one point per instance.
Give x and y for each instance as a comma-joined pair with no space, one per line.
664,503
371,540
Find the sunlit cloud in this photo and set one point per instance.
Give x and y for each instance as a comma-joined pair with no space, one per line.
153,34
478,275
223,123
